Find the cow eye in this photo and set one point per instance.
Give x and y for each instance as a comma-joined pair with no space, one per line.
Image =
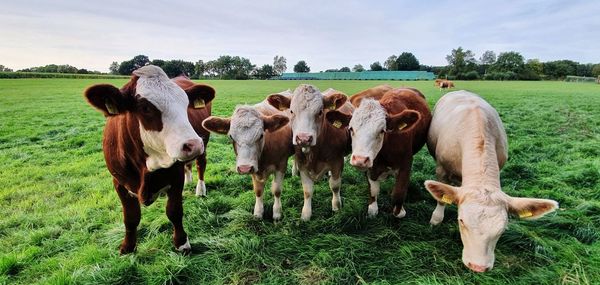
261,136
462,223
231,138
291,112
351,130
321,113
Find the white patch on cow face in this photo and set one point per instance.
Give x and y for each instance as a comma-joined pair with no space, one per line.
482,219
306,109
166,146
367,128
247,133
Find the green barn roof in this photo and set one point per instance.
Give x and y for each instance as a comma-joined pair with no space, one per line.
365,75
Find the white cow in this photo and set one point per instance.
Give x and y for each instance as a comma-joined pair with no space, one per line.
468,142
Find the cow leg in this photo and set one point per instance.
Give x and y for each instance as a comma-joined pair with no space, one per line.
307,187
438,214
258,184
201,164
294,167
175,215
335,183
276,187
131,217
400,189
188,173
374,189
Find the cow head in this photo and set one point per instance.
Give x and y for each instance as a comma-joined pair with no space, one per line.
307,106
483,217
160,107
368,126
246,129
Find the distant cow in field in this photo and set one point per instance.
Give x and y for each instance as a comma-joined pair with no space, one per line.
443,83
319,146
147,140
375,93
386,133
262,141
196,115
469,144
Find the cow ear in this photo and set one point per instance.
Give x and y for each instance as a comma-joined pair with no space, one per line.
530,208
443,193
107,98
338,119
402,122
279,101
334,101
217,125
275,122
200,95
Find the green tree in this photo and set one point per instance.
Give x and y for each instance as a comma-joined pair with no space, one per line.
407,61
509,61
488,58
460,62
390,63
114,68
199,69
279,64
140,60
596,70
358,68
301,66
560,68
178,67
344,69
265,72
376,66
126,67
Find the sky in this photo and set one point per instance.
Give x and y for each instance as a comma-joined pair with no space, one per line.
326,34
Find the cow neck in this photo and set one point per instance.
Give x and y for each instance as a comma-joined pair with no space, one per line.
479,159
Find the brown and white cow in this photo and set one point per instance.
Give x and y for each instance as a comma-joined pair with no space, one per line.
469,144
147,140
386,133
262,141
374,93
319,146
197,114
443,83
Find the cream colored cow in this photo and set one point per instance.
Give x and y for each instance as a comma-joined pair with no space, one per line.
469,144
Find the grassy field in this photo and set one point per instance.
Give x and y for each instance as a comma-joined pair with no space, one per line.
60,219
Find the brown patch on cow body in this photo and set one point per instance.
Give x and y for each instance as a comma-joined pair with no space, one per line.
375,93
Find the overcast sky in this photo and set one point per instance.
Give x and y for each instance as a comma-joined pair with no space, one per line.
327,34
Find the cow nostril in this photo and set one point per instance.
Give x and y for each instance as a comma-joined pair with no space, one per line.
187,147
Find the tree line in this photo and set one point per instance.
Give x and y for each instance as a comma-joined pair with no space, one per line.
462,65
224,67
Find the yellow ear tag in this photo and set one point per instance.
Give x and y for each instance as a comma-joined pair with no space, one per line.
112,109
332,107
402,126
199,104
281,108
337,124
525,214
446,199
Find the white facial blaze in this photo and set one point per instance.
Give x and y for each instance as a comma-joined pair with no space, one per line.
247,131
482,219
306,104
164,147
368,123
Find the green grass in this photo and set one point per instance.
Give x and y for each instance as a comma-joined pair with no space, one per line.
60,219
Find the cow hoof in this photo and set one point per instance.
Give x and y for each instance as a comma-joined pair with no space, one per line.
401,214
186,247
336,205
201,189
305,215
125,249
373,210
436,220
258,214
276,216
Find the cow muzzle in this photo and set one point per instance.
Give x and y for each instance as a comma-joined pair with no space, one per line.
304,139
245,169
361,162
191,149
